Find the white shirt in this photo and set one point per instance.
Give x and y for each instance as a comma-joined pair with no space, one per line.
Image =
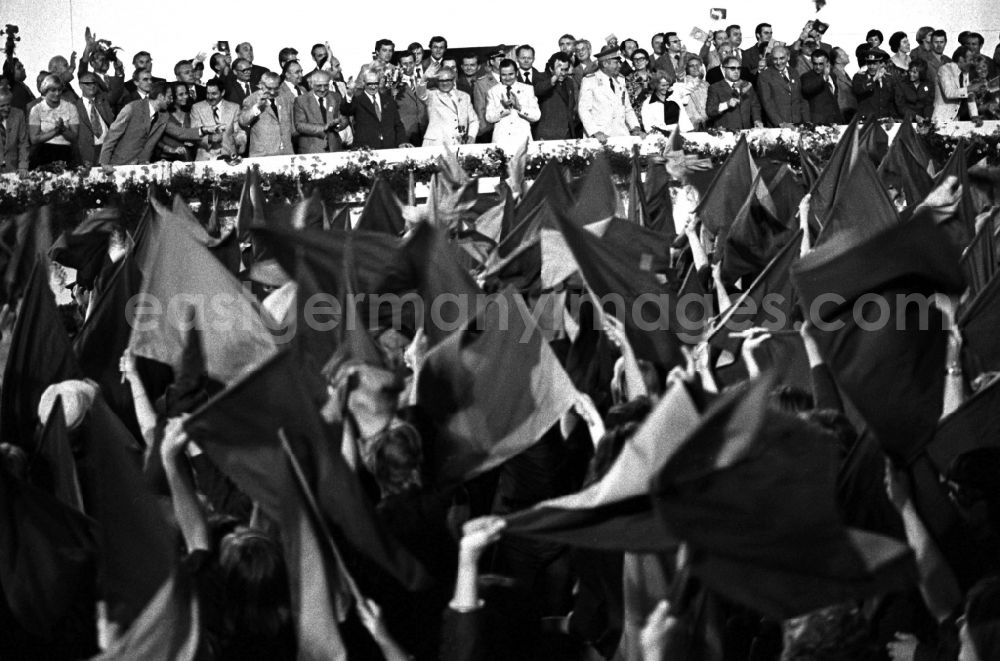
292,88
510,127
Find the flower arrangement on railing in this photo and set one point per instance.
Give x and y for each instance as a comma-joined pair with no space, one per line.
978,146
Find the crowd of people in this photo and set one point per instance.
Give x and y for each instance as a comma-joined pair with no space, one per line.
197,463
423,96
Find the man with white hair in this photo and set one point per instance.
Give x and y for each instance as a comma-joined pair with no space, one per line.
779,89
13,136
317,116
268,119
451,119
245,51
605,109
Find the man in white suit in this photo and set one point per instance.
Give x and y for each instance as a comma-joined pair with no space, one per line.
511,107
215,111
605,110
952,89
451,119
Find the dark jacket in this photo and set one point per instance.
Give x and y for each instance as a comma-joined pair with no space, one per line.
782,101
918,100
823,108
369,131
874,100
741,117
85,136
557,104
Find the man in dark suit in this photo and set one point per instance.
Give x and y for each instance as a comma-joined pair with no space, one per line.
13,136
96,117
526,73
245,51
874,88
819,89
376,118
142,82
95,59
557,100
139,126
715,74
411,99
674,59
732,104
142,61
780,92
470,71
238,85
434,62
317,117
753,55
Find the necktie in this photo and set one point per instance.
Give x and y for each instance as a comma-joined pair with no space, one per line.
246,89
215,113
378,107
677,62
322,108
612,81
784,76
3,136
274,108
95,120
527,78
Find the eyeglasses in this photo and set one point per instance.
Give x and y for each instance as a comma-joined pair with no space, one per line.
446,80
640,58
374,84
732,68
243,70
87,82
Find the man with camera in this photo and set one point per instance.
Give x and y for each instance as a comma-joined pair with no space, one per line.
605,109
98,56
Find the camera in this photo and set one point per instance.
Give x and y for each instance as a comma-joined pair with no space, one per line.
10,29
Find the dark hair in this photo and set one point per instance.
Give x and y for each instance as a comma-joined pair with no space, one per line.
819,53
256,608
288,63
730,28
760,26
667,35
895,40
216,83
158,90
180,64
507,62
978,37
727,60
558,56
621,47
835,423
286,52
315,46
875,33
384,42
397,459
216,57
982,617
522,47
437,39
791,399
658,34
140,54
568,36
640,51
173,85
921,66
923,32
939,33
960,53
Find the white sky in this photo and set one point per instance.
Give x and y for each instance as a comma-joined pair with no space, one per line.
179,29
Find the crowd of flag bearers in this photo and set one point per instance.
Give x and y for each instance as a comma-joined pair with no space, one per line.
690,419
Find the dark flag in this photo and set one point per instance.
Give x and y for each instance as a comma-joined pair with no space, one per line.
810,169
309,213
827,186
497,218
250,212
40,355
751,493
973,425
634,293
491,389
53,464
615,513
785,192
887,351
659,207
874,141
548,186
32,239
637,212
862,208
978,321
753,238
958,221
85,247
979,261
598,198
732,184
382,211
904,167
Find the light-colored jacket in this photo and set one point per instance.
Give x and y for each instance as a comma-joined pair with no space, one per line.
269,135
603,110
232,141
447,112
949,92
510,128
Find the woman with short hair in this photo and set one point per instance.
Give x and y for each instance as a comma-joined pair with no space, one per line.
52,126
913,94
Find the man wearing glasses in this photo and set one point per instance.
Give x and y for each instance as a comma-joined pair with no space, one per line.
318,118
377,124
451,120
268,119
732,104
238,86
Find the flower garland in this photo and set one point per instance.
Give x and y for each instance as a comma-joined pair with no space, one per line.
74,191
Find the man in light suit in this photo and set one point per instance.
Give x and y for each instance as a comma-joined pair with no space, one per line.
780,91
221,118
268,120
139,126
451,119
732,104
14,146
605,110
376,117
318,118
512,108
954,95
96,116
292,86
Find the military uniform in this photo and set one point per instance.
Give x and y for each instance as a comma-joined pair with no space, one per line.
605,107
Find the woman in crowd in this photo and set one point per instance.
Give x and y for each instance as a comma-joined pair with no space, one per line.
987,101
178,114
665,109
694,80
52,125
638,83
899,63
914,94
